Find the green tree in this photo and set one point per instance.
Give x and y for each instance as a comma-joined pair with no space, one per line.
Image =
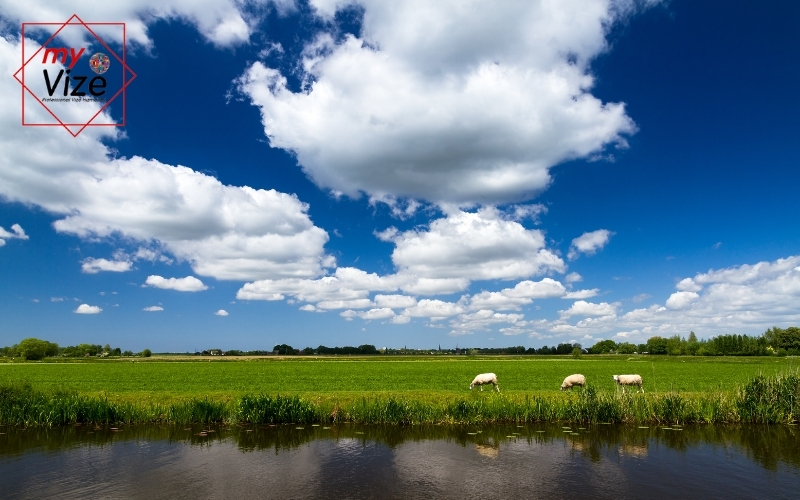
787,338
657,345
626,348
603,347
675,345
692,345
34,349
147,353
284,349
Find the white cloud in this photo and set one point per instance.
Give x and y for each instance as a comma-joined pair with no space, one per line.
444,257
400,320
583,308
481,320
681,300
94,266
478,245
446,101
18,233
573,277
153,308
740,299
395,301
87,309
347,283
522,294
581,294
435,309
345,304
222,22
688,285
589,243
187,284
221,312
372,314
227,232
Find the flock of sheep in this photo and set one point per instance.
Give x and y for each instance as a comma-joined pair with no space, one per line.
568,383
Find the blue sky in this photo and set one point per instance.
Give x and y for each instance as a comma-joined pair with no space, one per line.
342,173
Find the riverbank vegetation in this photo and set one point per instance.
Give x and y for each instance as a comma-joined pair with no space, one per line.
765,399
372,388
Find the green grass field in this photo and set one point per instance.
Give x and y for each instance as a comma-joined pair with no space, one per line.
396,390
165,379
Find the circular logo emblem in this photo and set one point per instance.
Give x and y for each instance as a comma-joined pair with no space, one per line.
99,63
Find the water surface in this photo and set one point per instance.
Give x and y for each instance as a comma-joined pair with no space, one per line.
348,461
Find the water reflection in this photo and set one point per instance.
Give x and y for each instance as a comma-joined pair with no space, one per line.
348,461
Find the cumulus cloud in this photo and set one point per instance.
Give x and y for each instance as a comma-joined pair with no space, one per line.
573,277
478,245
222,22
522,294
476,110
87,309
228,232
221,312
434,309
187,284
18,233
346,283
589,243
481,320
444,257
739,299
395,301
581,294
583,308
681,300
94,266
153,308
372,314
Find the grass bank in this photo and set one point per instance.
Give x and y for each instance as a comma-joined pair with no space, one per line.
176,379
762,399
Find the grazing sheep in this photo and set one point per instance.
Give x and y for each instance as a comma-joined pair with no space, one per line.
624,380
485,378
572,381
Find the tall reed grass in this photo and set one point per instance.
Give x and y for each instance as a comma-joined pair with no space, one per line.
767,400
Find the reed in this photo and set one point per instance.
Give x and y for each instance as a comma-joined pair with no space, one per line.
764,399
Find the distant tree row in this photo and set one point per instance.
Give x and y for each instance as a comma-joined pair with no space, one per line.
780,341
285,349
35,349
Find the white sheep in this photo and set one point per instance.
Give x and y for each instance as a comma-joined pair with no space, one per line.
485,378
624,380
572,381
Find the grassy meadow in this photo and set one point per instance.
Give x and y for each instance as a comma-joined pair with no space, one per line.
392,389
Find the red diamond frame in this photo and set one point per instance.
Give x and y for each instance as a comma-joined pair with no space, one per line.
123,90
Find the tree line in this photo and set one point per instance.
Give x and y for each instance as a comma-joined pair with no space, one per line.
34,349
775,341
